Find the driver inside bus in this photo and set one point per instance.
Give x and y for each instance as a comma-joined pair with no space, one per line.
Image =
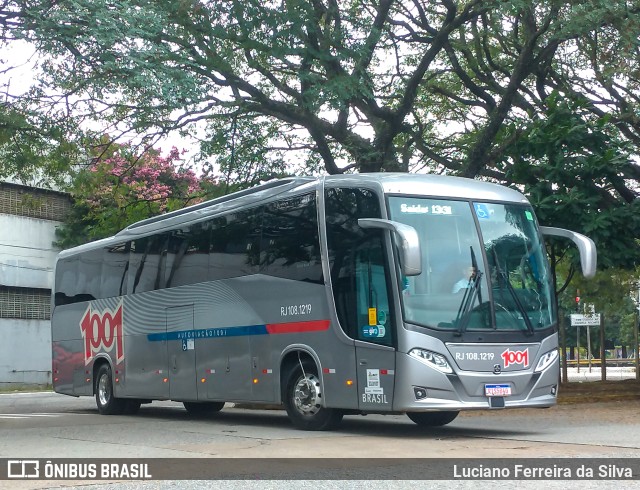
468,275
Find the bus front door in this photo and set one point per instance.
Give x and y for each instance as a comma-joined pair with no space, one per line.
376,376
375,354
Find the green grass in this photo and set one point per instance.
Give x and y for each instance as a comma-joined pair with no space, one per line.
22,388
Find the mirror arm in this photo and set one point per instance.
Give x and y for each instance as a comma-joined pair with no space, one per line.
409,243
588,253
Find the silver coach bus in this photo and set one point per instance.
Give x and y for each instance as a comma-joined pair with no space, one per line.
371,293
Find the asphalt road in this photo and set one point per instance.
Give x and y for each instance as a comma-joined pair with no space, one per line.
47,425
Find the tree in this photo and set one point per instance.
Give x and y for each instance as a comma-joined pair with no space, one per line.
573,167
610,293
34,147
361,85
120,188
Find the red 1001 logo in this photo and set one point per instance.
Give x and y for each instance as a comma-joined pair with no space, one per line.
102,330
515,357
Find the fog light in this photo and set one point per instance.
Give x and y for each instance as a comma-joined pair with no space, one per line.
554,390
419,393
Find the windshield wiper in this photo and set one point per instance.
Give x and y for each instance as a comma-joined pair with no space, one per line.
470,293
514,295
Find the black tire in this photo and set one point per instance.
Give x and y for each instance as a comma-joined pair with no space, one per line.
432,419
303,400
107,403
203,408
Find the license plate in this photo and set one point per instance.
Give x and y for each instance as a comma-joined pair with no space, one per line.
497,390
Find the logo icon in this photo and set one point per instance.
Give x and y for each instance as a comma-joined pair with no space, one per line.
23,468
515,357
101,330
497,369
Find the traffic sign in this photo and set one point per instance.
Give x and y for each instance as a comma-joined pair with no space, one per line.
581,320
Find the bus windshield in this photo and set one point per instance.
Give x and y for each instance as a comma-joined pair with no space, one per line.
501,283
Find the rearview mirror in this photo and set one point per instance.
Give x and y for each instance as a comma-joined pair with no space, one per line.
406,239
588,254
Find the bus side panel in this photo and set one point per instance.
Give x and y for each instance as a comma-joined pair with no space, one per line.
296,317
146,361
240,329
264,368
67,361
69,372
145,368
225,364
79,332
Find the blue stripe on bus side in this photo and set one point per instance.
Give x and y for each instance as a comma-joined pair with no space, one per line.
209,333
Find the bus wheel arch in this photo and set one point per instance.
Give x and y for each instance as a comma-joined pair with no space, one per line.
106,400
302,393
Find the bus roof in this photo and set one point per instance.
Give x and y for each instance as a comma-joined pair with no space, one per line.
428,185
437,186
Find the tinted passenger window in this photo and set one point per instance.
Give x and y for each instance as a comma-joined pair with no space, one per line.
188,255
66,281
359,274
144,263
115,263
290,247
89,276
235,244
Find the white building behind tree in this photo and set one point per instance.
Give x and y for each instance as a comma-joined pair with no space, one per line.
28,219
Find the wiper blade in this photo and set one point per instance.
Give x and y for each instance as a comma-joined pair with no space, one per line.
470,293
462,318
514,295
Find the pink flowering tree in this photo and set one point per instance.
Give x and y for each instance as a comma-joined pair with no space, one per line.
119,188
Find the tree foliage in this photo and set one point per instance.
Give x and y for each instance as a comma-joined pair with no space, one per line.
610,293
369,78
468,87
574,167
120,188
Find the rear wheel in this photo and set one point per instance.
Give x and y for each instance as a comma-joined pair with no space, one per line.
107,403
203,408
303,400
432,419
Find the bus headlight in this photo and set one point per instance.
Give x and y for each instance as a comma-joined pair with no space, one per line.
546,360
432,359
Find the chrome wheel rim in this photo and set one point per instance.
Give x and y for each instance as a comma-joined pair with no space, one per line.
103,390
307,395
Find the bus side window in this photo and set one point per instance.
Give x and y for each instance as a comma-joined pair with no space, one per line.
66,281
359,275
235,244
290,247
188,255
114,269
145,263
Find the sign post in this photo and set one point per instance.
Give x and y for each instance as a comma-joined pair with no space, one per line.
584,320
603,352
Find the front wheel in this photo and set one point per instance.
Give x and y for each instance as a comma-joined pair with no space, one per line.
106,401
432,419
303,400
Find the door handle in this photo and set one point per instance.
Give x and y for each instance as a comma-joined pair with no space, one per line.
363,362
173,360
